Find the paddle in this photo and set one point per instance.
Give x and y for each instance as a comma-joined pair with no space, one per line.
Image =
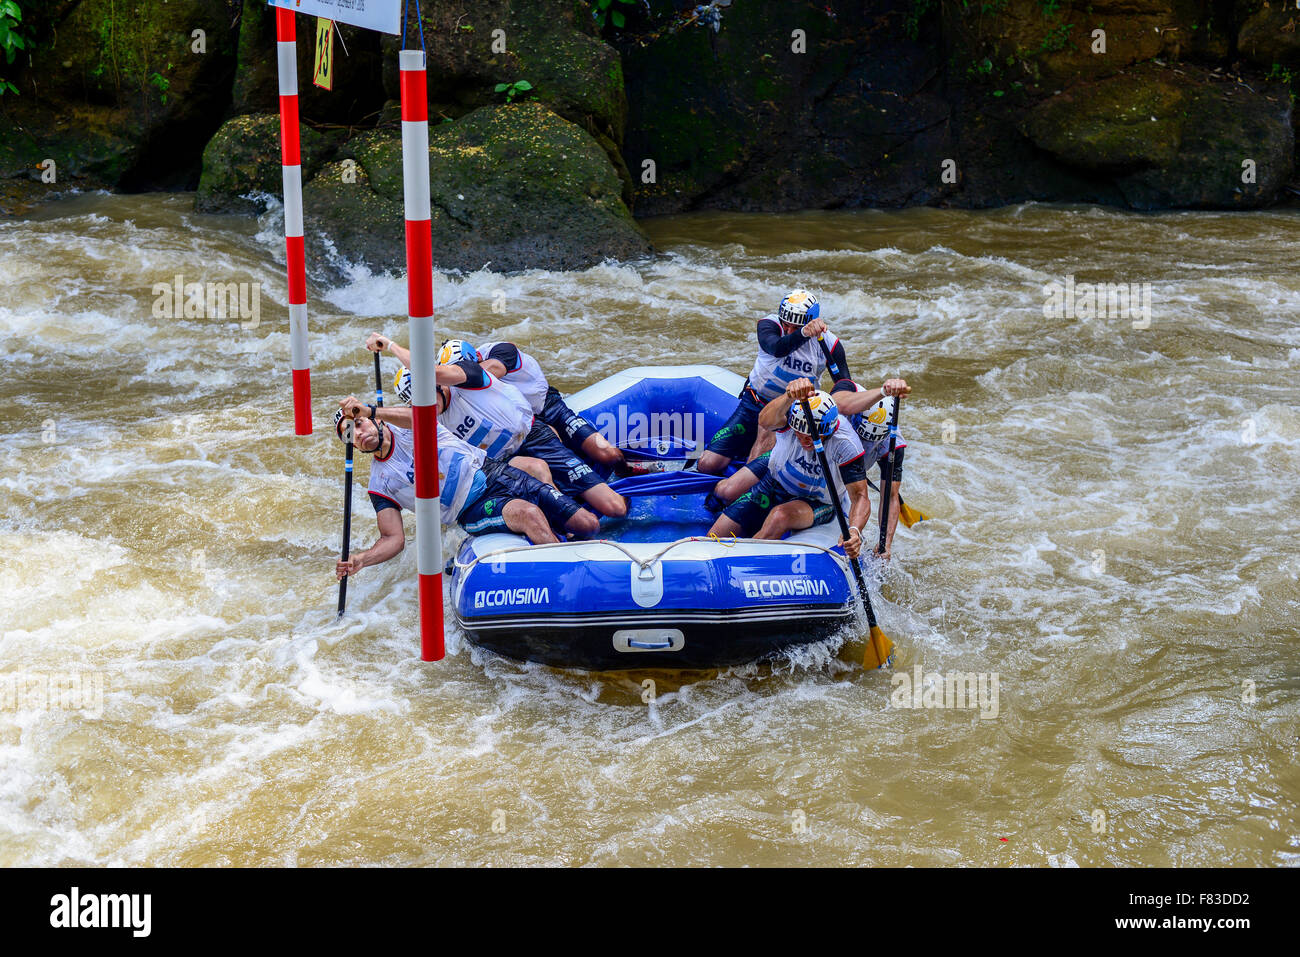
347,510
879,648
908,515
379,384
887,480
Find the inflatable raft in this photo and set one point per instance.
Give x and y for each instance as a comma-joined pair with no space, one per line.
654,591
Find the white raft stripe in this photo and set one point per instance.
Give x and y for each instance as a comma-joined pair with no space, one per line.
631,619
606,389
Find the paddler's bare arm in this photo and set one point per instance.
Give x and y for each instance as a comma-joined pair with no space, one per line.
392,539
398,415
851,403
774,413
378,343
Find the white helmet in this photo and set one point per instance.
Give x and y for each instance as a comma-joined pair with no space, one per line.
824,410
798,308
453,350
873,423
402,385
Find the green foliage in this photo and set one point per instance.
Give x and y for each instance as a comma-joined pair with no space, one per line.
912,23
1050,8
161,83
1057,38
512,90
605,12
13,38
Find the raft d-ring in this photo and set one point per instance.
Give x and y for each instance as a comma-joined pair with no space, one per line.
714,537
647,572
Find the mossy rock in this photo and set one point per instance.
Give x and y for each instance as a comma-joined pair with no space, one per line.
550,43
756,116
145,102
513,186
1272,35
1118,124
1170,138
244,157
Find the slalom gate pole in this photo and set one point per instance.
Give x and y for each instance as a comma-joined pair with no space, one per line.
419,298
296,265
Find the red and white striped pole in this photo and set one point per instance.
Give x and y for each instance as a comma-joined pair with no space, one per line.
424,363
291,159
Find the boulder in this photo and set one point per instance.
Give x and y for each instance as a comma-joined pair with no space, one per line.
244,157
1272,35
118,95
786,105
1169,138
515,186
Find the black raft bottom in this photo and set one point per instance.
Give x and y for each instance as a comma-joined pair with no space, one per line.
723,639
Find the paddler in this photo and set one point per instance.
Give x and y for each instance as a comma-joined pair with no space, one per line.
869,412
515,367
480,494
787,350
784,490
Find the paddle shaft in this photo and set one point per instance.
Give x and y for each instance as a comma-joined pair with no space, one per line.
893,434
347,520
379,383
887,480
833,489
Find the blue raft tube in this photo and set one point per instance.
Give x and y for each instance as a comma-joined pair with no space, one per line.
653,591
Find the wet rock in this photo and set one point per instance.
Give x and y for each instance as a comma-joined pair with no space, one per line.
244,157
118,96
515,186
1168,138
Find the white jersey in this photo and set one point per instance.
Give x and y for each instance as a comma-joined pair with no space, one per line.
460,479
876,448
494,418
771,375
797,470
528,377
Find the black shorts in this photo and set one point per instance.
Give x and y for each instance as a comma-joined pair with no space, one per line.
572,428
736,437
750,510
571,475
505,482
898,464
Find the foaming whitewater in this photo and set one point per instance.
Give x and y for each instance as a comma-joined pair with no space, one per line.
1114,517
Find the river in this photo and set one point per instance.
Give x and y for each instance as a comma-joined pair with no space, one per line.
1114,540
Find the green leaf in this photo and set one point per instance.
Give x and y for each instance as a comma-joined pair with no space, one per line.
523,85
617,19
998,93
604,4
11,8
501,87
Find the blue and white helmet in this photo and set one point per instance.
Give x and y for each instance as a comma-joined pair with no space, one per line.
824,410
453,350
799,308
402,385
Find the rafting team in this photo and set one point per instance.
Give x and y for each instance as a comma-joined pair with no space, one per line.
512,456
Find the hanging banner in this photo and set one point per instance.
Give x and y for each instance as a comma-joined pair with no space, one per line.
322,74
382,15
